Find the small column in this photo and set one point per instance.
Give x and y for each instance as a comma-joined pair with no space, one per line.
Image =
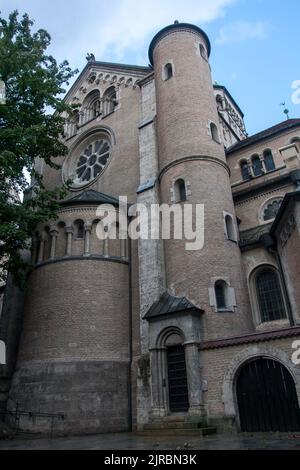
87,239
250,169
41,250
105,243
192,358
123,248
157,383
54,234
262,159
69,232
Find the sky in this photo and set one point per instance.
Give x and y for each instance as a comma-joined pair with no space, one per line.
255,43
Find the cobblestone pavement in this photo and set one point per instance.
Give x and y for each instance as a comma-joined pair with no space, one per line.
128,441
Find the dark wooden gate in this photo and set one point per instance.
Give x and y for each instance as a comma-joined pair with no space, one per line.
267,398
178,388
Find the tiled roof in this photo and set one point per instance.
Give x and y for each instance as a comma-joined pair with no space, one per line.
169,304
253,235
283,126
92,196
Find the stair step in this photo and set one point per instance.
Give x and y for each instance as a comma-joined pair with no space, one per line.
170,425
201,432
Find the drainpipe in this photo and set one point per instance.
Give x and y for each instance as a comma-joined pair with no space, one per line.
270,244
130,346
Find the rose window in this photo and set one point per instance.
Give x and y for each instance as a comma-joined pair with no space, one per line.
92,161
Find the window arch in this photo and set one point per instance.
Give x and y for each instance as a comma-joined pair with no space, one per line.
269,295
91,106
257,165
180,190
269,160
168,71
79,229
245,170
296,142
109,101
214,132
270,209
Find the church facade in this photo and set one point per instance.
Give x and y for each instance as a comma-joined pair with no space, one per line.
117,334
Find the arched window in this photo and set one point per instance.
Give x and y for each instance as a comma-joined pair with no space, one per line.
270,211
180,191
89,107
109,101
79,229
96,108
168,71
269,160
220,291
245,170
214,132
203,51
230,229
257,166
269,295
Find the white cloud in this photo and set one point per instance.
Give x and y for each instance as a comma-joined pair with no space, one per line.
242,31
114,30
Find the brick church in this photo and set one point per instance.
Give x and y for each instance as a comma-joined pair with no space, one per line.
122,334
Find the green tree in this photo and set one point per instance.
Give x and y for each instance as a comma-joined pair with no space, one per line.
31,126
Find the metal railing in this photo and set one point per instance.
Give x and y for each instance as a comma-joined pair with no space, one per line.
12,417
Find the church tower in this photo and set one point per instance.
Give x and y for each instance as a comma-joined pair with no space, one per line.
206,295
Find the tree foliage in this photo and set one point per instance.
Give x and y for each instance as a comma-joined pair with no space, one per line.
31,126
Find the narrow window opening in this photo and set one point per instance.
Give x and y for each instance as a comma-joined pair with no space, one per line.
180,191
168,71
269,160
257,166
230,230
214,132
245,171
220,290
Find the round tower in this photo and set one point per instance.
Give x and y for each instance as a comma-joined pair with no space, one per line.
72,369
193,170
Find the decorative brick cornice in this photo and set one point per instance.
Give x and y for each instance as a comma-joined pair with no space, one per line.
252,338
194,158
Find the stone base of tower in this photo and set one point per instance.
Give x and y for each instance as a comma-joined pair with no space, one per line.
70,398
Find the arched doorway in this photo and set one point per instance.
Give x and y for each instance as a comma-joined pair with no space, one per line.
177,379
267,398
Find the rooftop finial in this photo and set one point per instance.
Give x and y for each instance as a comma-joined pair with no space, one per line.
176,22
285,110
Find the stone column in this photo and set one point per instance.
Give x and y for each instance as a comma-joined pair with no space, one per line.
262,159
54,234
69,232
192,358
87,239
158,385
41,250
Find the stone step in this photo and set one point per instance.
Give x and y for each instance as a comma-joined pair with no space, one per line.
201,432
172,425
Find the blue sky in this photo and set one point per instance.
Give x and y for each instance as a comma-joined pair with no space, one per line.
255,43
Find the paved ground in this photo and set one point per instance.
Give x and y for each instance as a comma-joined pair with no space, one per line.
131,442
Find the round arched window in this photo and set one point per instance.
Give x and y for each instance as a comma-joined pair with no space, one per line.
87,161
